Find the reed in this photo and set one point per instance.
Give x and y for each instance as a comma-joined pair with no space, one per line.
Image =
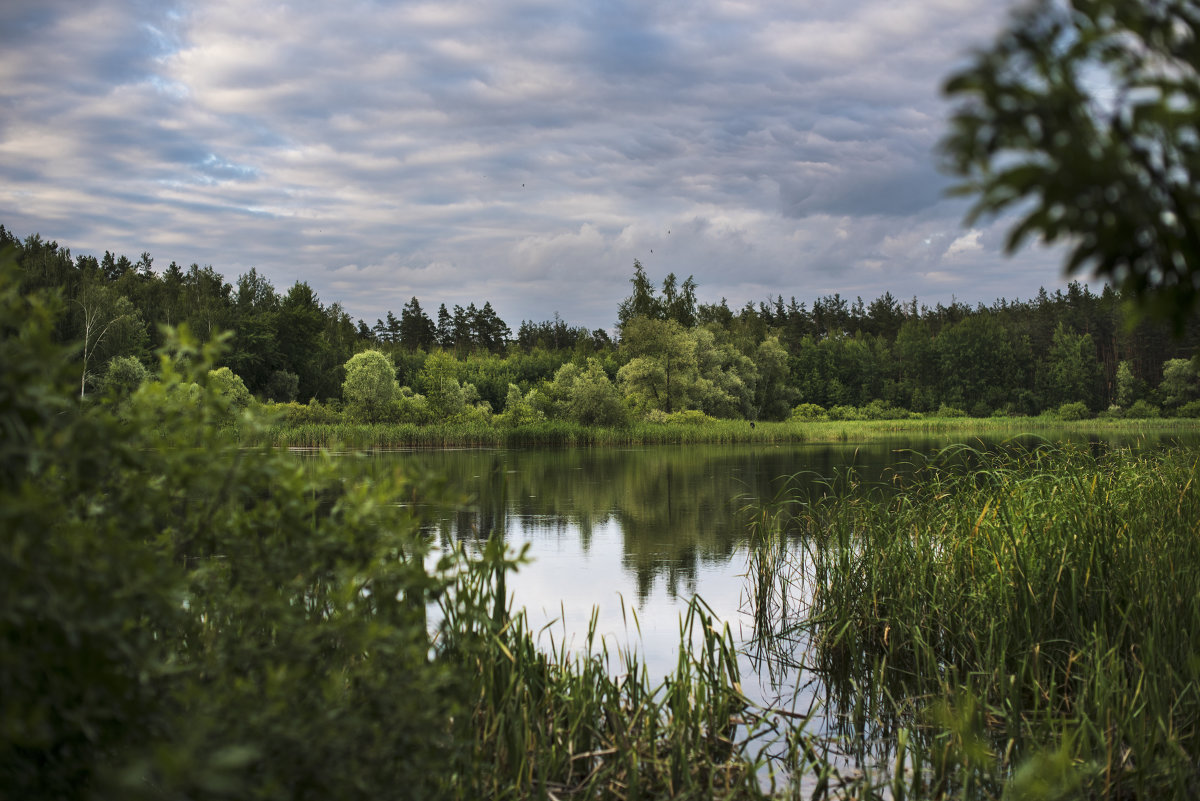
1024,620
552,723
554,433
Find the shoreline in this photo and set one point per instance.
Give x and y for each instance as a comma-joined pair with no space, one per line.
712,432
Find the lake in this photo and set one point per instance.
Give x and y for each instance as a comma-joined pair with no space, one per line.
630,535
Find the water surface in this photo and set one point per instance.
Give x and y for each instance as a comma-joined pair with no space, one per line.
631,534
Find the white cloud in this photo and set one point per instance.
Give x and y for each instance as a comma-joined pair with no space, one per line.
523,151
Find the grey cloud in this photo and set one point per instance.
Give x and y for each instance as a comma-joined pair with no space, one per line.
523,151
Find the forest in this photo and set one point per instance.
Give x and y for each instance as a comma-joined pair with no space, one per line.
763,361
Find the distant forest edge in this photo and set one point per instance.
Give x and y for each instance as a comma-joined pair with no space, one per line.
1072,354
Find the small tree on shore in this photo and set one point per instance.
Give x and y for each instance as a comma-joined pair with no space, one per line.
370,387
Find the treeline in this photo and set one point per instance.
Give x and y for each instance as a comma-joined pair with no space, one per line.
671,354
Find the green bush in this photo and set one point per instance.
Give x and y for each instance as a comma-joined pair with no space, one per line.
233,626
370,388
845,413
1189,409
282,386
298,414
123,376
949,411
809,411
1073,411
1143,410
882,410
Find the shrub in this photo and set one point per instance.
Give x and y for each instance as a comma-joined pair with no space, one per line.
809,412
519,409
185,619
370,388
593,399
1077,410
1143,410
845,413
882,410
231,387
1189,409
123,376
949,411
295,414
409,407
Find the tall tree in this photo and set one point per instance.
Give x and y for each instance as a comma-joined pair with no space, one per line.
1071,372
679,301
662,368
301,323
490,332
417,331
642,303
110,327
445,328
254,351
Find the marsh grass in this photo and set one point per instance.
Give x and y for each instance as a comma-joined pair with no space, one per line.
591,723
1024,621
709,430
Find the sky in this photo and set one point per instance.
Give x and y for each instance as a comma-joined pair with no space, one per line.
520,152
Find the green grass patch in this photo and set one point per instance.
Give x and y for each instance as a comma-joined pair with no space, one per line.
709,431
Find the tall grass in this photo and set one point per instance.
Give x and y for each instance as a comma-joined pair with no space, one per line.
560,432
552,723
1024,621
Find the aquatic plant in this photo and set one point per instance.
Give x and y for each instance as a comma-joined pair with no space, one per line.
1009,621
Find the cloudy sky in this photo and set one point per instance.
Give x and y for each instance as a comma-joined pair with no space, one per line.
522,152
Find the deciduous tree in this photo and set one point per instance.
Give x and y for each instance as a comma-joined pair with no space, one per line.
1083,116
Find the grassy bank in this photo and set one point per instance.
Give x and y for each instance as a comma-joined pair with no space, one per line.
563,433
1024,624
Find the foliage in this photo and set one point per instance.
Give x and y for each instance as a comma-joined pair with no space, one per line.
662,370
727,377
519,410
110,325
809,411
282,386
1009,620
845,412
443,391
1142,410
1072,373
949,411
773,394
231,388
370,388
1189,409
123,376
300,414
1076,410
186,617
753,363
594,400
1180,383
1083,116
1130,388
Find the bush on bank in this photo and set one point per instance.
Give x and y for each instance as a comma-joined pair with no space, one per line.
183,617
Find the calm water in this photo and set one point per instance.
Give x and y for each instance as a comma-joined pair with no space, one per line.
631,534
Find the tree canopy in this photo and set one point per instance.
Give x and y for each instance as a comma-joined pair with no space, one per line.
1084,116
